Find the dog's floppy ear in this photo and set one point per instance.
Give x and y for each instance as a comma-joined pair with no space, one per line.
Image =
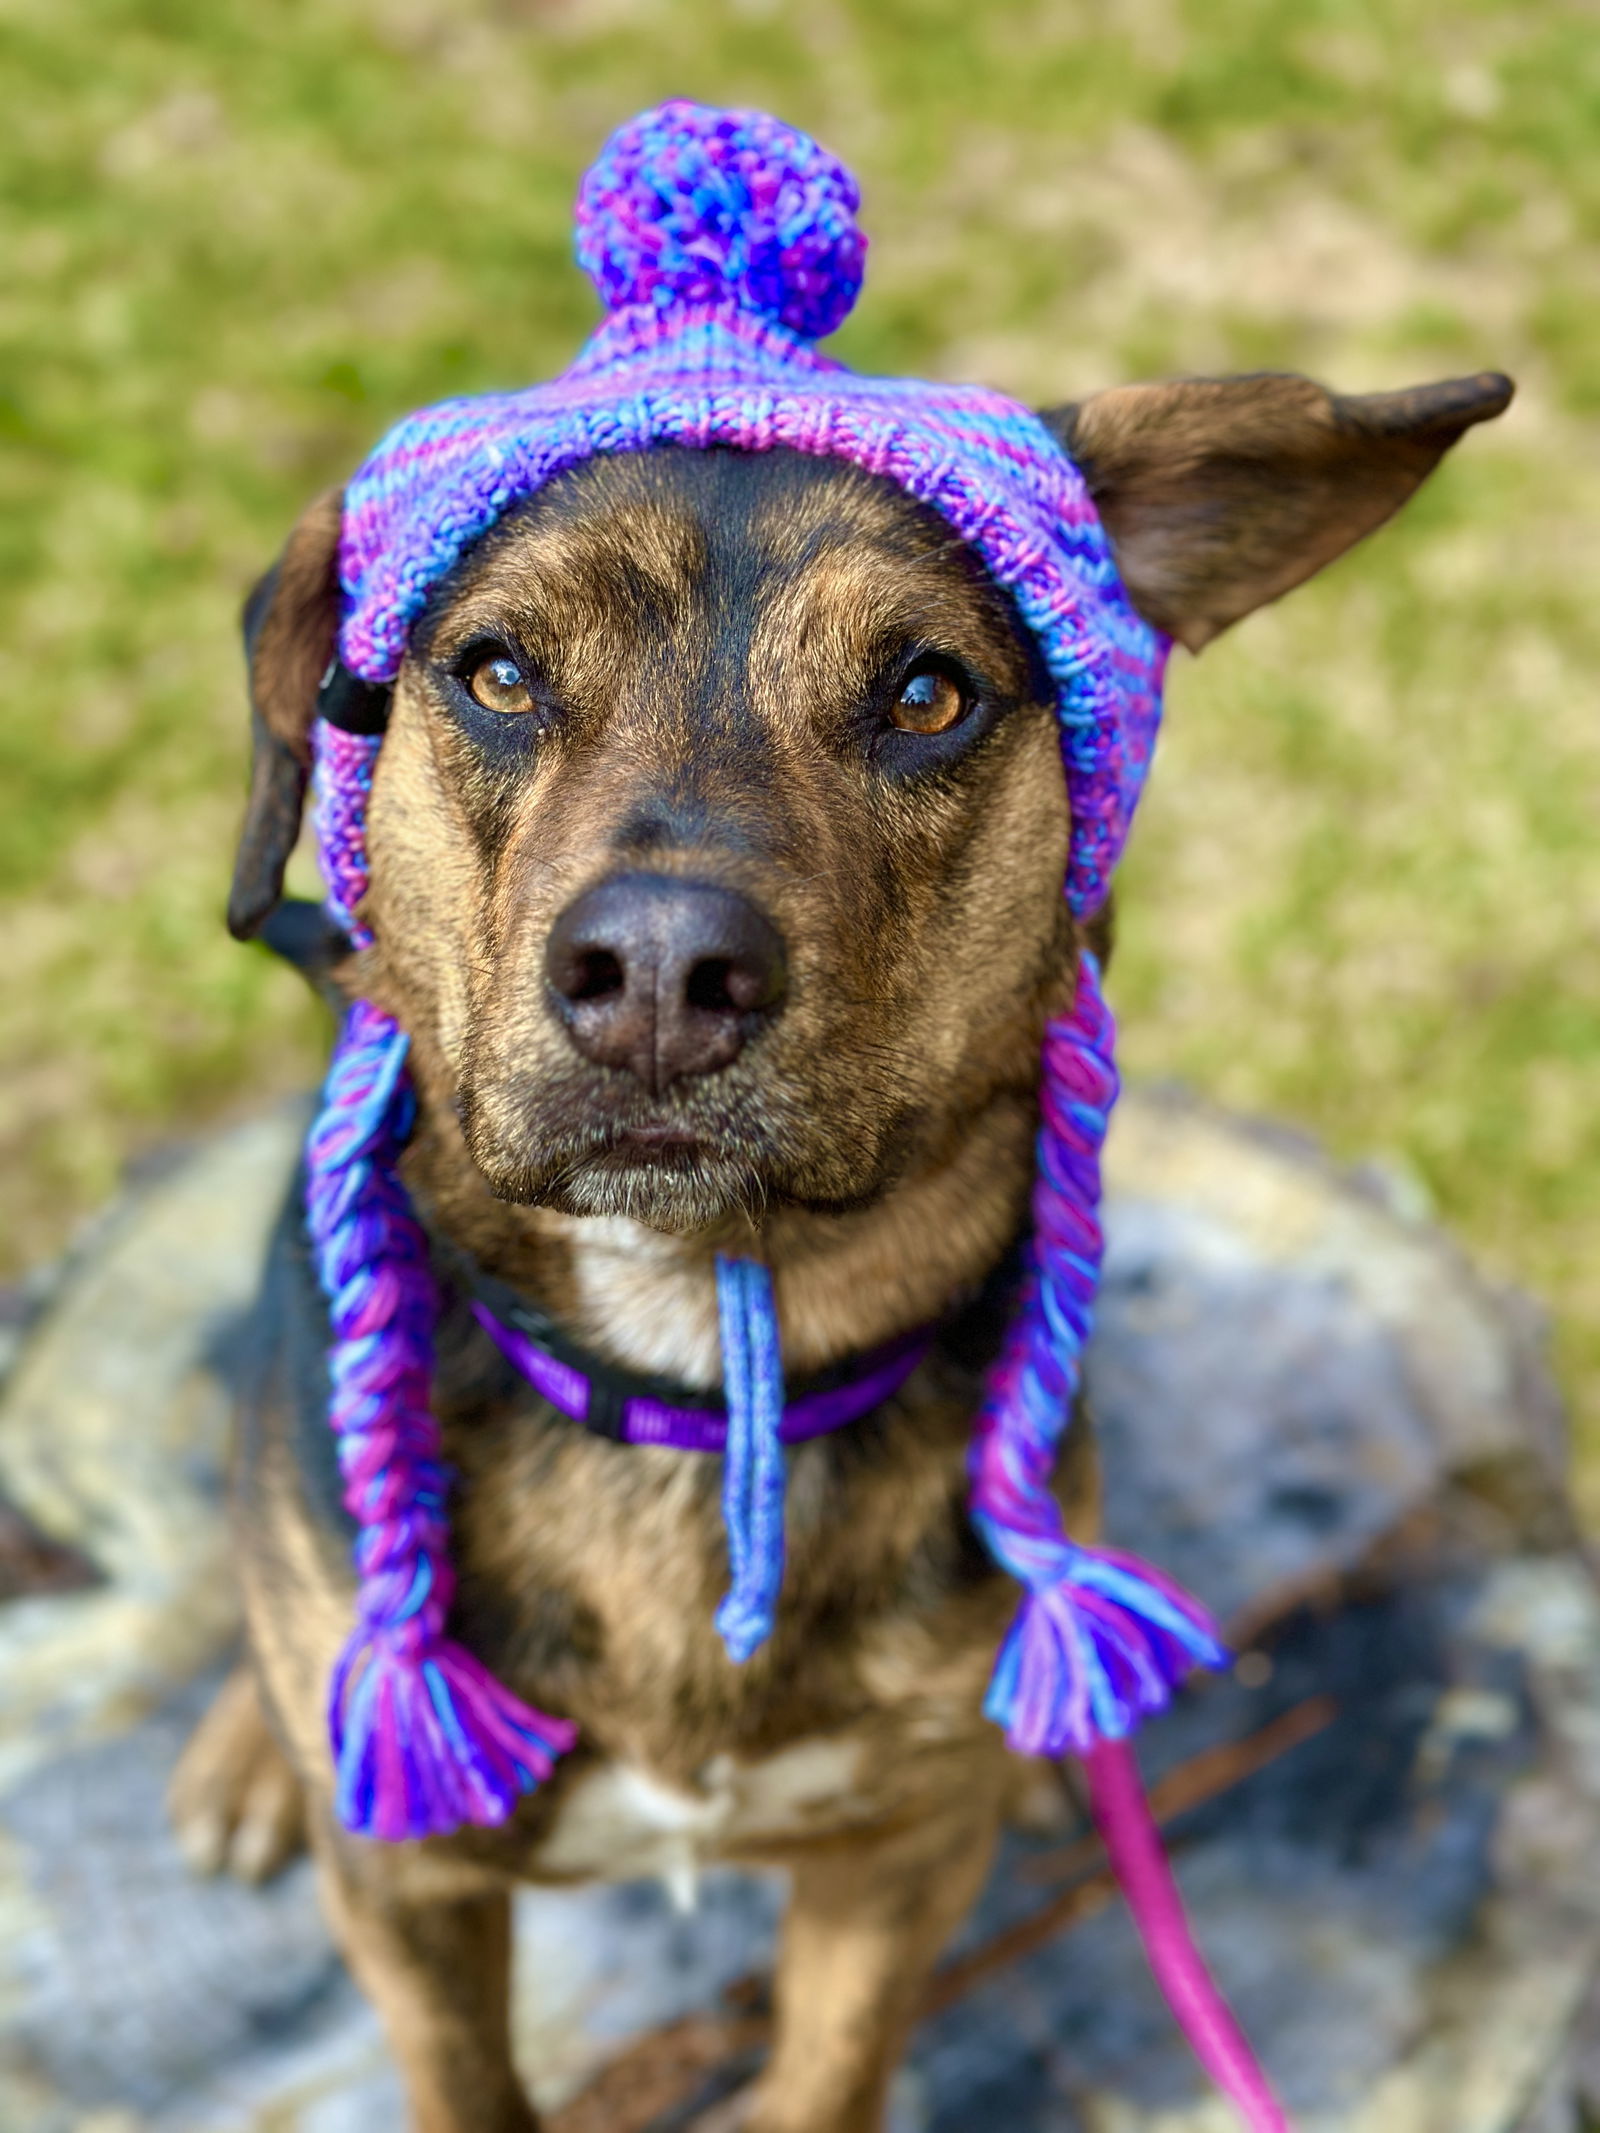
1221,493
291,623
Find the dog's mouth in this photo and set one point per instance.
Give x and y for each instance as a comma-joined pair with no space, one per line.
665,1174
672,1173
677,1169
659,1143
662,1176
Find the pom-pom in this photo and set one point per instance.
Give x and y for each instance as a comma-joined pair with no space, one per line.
691,205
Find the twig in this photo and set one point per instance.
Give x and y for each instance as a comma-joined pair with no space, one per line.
665,2068
1204,1777
1201,1778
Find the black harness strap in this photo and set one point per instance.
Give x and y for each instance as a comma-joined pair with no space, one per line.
351,704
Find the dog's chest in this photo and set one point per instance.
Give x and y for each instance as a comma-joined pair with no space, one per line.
619,1822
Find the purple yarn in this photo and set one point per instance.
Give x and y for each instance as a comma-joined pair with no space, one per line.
689,205
1100,1640
341,779
424,1738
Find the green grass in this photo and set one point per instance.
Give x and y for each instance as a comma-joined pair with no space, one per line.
1366,891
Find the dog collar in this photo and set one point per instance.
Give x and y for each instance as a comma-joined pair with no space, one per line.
631,1407
643,1418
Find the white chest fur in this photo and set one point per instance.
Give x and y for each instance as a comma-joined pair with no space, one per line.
620,1823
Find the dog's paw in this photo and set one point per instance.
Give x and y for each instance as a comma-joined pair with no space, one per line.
234,1801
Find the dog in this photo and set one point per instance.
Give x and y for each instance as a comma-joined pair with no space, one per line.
752,772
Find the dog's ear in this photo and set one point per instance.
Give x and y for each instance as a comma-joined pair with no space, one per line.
1221,493
291,623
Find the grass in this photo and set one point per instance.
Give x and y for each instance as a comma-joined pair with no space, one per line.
1365,894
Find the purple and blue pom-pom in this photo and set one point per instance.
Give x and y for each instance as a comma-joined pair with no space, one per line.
686,205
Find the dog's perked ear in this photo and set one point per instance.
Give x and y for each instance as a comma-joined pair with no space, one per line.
1220,494
291,623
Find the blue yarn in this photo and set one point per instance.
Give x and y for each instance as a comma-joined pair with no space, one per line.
753,1473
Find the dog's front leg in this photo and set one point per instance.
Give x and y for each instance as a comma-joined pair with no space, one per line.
865,1926
433,1954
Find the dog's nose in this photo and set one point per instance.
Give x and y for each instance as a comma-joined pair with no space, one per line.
663,978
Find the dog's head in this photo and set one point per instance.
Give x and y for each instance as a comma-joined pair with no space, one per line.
718,836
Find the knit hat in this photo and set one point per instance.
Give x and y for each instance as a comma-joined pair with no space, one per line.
724,245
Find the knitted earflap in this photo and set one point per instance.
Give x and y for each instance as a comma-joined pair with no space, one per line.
1100,1640
424,1738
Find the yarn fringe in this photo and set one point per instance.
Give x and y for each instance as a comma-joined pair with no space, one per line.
427,1740
1092,1653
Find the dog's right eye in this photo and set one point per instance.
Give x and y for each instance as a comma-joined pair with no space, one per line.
931,702
499,684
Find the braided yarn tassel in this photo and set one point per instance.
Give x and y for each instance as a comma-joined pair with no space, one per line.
424,1738
753,1474
1100,1640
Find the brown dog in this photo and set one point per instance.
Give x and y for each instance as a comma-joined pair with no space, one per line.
722,747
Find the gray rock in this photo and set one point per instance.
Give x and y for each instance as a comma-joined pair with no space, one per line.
1313,1412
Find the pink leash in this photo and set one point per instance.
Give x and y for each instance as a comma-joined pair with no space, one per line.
1139,1860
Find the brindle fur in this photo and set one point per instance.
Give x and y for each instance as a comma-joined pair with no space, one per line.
716,637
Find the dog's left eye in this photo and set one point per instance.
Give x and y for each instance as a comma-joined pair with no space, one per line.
931,702
499,684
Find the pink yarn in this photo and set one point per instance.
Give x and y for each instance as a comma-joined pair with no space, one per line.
1139,1860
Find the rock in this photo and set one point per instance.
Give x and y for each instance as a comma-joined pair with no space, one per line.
1314,1413
113,1441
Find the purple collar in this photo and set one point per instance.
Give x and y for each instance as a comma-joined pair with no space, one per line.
642,1418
